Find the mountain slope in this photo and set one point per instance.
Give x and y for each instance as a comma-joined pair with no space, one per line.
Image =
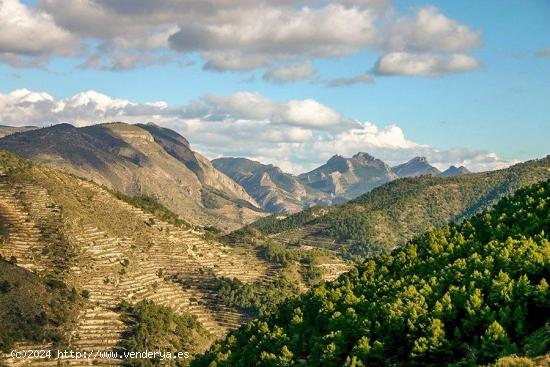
33,309
401,209
460,295
417,166
349,177
141,160
275,190
68,229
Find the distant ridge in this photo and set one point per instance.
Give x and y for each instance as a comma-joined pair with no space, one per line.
395,212
8,130
338,180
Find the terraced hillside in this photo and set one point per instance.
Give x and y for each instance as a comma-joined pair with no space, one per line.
399,210
60,226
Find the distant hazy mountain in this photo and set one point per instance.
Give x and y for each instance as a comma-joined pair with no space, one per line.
337,181
8,130
455,171
349,177
274,190
418,166
141,160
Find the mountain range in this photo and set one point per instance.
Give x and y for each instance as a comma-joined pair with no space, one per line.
106,238
274,190
338,180
73,253
148,160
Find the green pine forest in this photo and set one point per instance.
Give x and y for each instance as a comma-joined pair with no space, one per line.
460,295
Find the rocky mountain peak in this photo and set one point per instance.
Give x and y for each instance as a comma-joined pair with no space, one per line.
418,166
455,171
362,156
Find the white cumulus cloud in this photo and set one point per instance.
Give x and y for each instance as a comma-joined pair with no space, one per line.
242,36
412,64
26,32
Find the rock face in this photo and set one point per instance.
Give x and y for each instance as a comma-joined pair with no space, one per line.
349,177
455,171
141,160
418,166
275,190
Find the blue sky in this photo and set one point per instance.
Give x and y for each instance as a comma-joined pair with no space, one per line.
499,105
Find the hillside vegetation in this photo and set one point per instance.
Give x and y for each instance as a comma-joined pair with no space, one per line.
33,309
399,210
158,328
464,294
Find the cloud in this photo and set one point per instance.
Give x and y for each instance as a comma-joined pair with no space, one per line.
290,73
344,82
26,33
412,64
544,52
241,105
121,61
308,113
239,36
430,30
428,43
24,107
277,33
297,135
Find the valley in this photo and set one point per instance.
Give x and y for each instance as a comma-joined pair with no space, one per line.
274,183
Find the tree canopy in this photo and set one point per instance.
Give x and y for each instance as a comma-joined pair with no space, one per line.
463,294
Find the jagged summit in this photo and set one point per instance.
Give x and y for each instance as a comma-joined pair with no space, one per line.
349,177
273,189
418,166
363,156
